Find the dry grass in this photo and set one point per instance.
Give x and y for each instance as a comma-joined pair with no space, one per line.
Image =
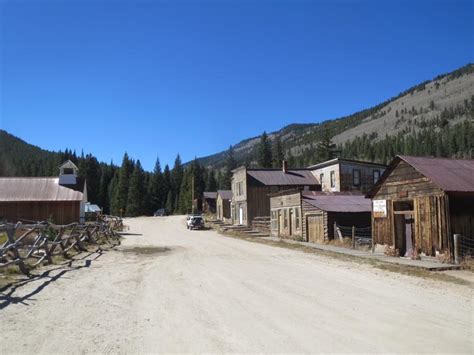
395,268
3,238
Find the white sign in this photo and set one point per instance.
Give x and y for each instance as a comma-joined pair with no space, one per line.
379,208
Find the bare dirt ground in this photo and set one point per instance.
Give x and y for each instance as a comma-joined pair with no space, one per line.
167,289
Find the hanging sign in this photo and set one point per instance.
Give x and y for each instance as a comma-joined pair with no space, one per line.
380,208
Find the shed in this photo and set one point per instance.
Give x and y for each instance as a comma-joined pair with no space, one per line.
223,203
419,203
38,199
209,202
310,215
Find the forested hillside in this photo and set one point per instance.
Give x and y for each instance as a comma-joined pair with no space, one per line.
434,118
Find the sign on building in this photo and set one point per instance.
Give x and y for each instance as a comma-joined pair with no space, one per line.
380,208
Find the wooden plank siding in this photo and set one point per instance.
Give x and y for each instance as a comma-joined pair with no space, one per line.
59,212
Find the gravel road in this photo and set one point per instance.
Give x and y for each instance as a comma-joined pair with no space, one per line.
167,289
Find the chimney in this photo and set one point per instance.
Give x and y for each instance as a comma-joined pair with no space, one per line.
285,166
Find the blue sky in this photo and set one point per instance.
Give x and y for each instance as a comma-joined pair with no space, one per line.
155,78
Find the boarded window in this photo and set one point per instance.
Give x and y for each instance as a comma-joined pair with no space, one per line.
297,218
333,178
285,218
376,175
356,177
321,178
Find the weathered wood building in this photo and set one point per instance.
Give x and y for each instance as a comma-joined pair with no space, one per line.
251,187
310,215
223,205
339,174
38,199
209,202
419,203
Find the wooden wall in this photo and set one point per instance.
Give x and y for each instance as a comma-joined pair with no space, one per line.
59,212
222,208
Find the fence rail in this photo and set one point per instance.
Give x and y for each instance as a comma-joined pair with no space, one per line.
359,235
30,244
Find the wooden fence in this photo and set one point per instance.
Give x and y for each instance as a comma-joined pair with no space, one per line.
28,245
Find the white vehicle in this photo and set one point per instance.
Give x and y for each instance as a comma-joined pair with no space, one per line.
194,222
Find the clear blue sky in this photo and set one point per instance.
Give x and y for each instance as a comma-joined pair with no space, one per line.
162,77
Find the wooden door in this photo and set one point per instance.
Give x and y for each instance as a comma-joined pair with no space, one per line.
315,228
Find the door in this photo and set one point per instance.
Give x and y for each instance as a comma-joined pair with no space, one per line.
241,215
315,229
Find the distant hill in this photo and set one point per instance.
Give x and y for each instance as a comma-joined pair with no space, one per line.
446,98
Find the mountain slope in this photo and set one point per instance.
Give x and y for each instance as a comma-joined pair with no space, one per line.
448,97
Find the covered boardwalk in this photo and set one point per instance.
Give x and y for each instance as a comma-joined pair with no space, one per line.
420,203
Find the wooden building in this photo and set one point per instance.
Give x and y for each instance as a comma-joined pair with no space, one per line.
419,203
339,174
223,203
251,189
209,202
310,215
38,199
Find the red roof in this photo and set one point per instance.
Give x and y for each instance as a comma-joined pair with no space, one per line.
343,202
276,177
451,175
35,189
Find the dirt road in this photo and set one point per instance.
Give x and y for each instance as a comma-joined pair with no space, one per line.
171,290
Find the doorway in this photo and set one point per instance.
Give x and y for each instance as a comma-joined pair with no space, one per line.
241,215
404,227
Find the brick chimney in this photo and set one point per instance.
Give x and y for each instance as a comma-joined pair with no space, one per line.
285,166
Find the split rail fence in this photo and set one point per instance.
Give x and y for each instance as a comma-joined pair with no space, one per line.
30,244
358,235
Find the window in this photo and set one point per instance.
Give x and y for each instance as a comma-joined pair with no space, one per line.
239,188
376,175
274,220
297,218
333,178
285,218
321,178
356,177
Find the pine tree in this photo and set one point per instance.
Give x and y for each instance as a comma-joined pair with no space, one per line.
177,175
264,157
169,202
156,188
136,192
119,201
325,149
211,182
230,164
278,152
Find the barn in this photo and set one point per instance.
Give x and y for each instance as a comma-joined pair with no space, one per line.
223,203
38,199
310,215
420,203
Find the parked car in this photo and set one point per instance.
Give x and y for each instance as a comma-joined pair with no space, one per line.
161,212
195,222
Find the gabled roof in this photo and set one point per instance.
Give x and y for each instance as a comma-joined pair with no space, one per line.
225,194
342,202
450,175
68,164
342,160
276,177
209,195
17,189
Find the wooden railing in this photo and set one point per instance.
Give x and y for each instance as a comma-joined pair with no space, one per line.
261,224
28,245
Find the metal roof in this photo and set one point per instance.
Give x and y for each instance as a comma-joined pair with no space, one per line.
342,160
276,177
451,175
209,195
225,194
339,202
19,189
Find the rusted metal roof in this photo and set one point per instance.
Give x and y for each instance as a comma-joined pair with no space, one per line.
225,194
451,175
209,195
276,177
331,202
18,189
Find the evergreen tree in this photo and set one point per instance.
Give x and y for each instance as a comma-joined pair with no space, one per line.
177,175
325,149
211,182
119,201
278,152
264,157
157,195
230,164
169,202
136,192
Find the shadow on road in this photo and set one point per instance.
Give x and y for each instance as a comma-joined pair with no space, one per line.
11,294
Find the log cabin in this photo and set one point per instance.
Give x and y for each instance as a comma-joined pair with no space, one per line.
223,203
420,203
339,174
209,202
60,199
251,189
310,215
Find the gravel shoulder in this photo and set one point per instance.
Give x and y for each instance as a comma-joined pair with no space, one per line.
167,289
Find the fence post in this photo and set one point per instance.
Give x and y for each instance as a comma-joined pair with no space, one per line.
335,231
456,248
11,239
353,237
